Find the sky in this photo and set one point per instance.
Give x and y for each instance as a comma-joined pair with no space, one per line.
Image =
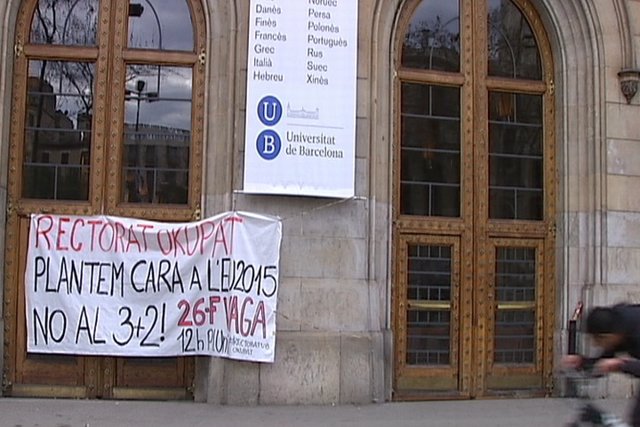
173,18
172,27
429,11
170,110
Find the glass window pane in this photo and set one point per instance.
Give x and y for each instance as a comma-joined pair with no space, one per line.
58,130
157,134
432,41
429,305
515,290
513,49
430,150
516,168
161,25
65,22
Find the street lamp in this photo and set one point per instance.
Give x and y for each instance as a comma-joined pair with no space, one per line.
140,95
135,11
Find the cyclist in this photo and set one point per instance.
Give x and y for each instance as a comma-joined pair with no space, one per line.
616,331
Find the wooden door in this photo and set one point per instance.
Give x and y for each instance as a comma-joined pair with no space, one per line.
474,201
107,119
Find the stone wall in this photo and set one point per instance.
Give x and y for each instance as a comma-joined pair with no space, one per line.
332,298
334,341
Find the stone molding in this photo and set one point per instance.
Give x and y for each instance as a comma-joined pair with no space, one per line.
629,79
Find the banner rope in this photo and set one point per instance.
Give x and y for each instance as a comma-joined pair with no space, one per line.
308,211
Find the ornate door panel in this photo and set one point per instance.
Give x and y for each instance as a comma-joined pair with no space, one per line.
69,374
474,201
429,291
106,119
515,316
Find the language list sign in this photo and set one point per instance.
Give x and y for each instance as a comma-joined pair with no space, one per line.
113,286
301,97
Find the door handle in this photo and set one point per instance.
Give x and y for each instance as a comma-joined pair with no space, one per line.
526,305
429,305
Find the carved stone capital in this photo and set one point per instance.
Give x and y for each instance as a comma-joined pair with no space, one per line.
629,79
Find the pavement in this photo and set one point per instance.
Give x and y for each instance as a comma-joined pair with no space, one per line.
542,412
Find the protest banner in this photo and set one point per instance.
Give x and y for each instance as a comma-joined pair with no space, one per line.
104,285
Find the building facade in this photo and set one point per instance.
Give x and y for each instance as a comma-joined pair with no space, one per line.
497,153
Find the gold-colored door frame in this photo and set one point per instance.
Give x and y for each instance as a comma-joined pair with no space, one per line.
441,378
478,235
88,376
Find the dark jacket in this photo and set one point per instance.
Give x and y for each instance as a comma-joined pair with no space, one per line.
630,315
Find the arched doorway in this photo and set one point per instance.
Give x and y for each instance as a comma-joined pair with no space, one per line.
107,118
474,200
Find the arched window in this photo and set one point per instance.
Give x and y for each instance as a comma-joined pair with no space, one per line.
474,203
107,118
118,86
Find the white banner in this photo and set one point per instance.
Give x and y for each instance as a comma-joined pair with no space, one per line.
114,286
301,97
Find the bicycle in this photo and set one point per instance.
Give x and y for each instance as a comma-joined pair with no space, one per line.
589,414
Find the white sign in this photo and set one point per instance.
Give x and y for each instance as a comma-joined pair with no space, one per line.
113,286
301,97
